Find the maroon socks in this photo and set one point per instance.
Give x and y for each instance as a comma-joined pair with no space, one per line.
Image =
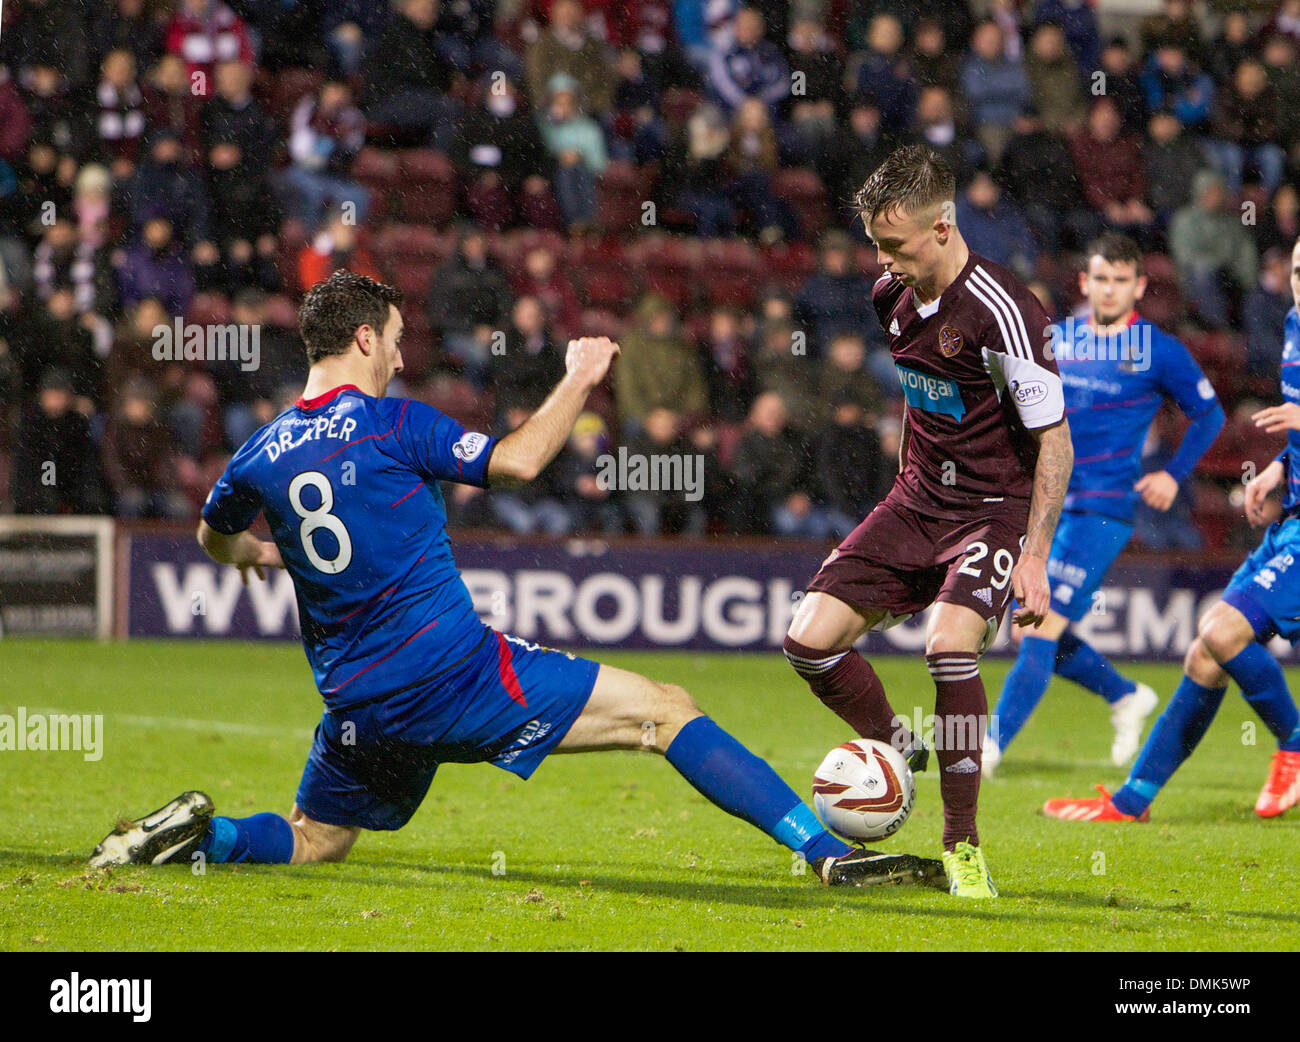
961,713
849,687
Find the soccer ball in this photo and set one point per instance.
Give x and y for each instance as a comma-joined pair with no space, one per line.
864,789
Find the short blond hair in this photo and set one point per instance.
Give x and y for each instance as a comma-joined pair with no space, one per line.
911,179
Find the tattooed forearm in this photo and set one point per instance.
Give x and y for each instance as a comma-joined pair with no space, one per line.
903,438
1051,477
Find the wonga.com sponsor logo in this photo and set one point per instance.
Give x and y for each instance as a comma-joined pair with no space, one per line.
931,393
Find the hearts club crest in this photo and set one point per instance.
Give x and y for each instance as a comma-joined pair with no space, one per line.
949,341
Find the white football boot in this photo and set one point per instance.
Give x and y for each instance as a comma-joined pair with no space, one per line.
1129,717
171,833
990,758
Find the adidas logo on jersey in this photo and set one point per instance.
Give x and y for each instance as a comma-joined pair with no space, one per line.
985,595
893,328
963,766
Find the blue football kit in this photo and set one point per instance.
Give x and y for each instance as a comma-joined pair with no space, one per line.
1264,588
1114,386
410,675
1267,594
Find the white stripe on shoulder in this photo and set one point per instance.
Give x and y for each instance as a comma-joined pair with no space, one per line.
1018,343
882,278
999,313
1001,291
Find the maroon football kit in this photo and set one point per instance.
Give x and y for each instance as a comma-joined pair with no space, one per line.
978,377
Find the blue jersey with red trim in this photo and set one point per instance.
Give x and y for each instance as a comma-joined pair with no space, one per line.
1114,386
349,487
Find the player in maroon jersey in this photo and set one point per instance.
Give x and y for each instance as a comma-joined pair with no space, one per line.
984,465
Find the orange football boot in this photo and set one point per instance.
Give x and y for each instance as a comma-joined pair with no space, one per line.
1282,790
1091,808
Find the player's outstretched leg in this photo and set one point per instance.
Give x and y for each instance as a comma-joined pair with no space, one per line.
1023,689
1130,702
960,715
819,645
1176,733
1051,648
1232,631
629,711
1226,646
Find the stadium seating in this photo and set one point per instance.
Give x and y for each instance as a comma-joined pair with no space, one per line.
427,189
1163,301
379,171
788,264
417,195
802,189
621,192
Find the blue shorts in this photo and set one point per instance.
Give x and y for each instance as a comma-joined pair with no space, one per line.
1084,548
1263,589
510,704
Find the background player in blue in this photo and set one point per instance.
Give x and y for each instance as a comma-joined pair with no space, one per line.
1262,599
411,678
1117,369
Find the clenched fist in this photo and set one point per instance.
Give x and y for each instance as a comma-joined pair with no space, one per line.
1029,584
1158,489
1258,491
588,359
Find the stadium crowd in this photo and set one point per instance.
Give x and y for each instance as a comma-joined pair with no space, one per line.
673,172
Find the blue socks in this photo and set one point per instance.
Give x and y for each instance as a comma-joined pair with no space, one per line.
1178,731
265,839
1264,688
1184,722
1039,658
731,777
1079,661
1022,689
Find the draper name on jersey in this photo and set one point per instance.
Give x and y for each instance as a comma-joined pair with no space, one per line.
313,429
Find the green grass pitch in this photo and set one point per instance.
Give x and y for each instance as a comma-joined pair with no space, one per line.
607,850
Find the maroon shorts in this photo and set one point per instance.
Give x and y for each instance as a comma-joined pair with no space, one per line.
900,562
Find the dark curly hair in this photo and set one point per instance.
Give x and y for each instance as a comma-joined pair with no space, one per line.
1116,248
336,307
912,178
